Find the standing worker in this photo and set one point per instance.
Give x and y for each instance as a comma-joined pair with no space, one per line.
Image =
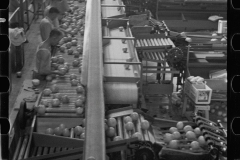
46,24
61,5
43,59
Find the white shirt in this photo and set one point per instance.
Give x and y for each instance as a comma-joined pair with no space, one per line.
46,26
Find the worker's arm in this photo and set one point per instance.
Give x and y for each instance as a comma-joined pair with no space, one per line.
45,29
44,67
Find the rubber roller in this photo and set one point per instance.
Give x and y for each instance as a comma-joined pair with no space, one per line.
121,93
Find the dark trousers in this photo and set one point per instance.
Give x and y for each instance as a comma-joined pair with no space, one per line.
17,58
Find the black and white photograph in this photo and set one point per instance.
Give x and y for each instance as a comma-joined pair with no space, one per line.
122,79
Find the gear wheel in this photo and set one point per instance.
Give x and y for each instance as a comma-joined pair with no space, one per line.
174,55
144,153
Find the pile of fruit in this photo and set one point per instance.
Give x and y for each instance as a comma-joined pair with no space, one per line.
56,99
73,23
196,79
131,126
218,111
61,130
185,138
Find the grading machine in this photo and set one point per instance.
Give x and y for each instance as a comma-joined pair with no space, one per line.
97,110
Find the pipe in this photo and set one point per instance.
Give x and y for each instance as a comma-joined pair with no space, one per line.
94,146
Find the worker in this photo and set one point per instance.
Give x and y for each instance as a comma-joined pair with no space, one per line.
43,55
62,6
46,24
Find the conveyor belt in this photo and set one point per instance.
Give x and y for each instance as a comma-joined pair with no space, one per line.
153,56
154,42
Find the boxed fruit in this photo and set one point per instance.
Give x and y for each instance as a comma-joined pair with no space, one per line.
198,93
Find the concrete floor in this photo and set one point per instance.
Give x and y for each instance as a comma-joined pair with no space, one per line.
33,36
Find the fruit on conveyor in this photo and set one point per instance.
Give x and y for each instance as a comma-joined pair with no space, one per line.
80,90
55,102
78,130
82,136
111,122
49,78
66,132
225,119
79,110
195,145
57,96
197,131
138,135
111,132
176,135
54,88
65,99
75,63
78,103
201,141
129,126
62,49
187,128
41,109
70,51
82,97
134,116
74,82
127,119
61,60
173,129
180,125
117,138
35,82
58,131
47,92
76,54
49,131
73,76
190,135
106,126
54,60
212,110
44,102
83,122
145,125
173,144
220,113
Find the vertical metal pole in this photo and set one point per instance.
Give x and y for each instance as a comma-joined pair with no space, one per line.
95,143
28,23
21,14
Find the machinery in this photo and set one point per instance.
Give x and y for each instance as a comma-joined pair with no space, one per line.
105,81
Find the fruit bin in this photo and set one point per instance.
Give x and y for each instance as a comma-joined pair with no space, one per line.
184,143
125,124
199,96
40,142
218,111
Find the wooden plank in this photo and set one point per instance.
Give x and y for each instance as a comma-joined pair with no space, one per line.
39,151
142,43
138,43
145,42
144,132
125,134
159,41
122,113
156,42
153,43
163,42
149,42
